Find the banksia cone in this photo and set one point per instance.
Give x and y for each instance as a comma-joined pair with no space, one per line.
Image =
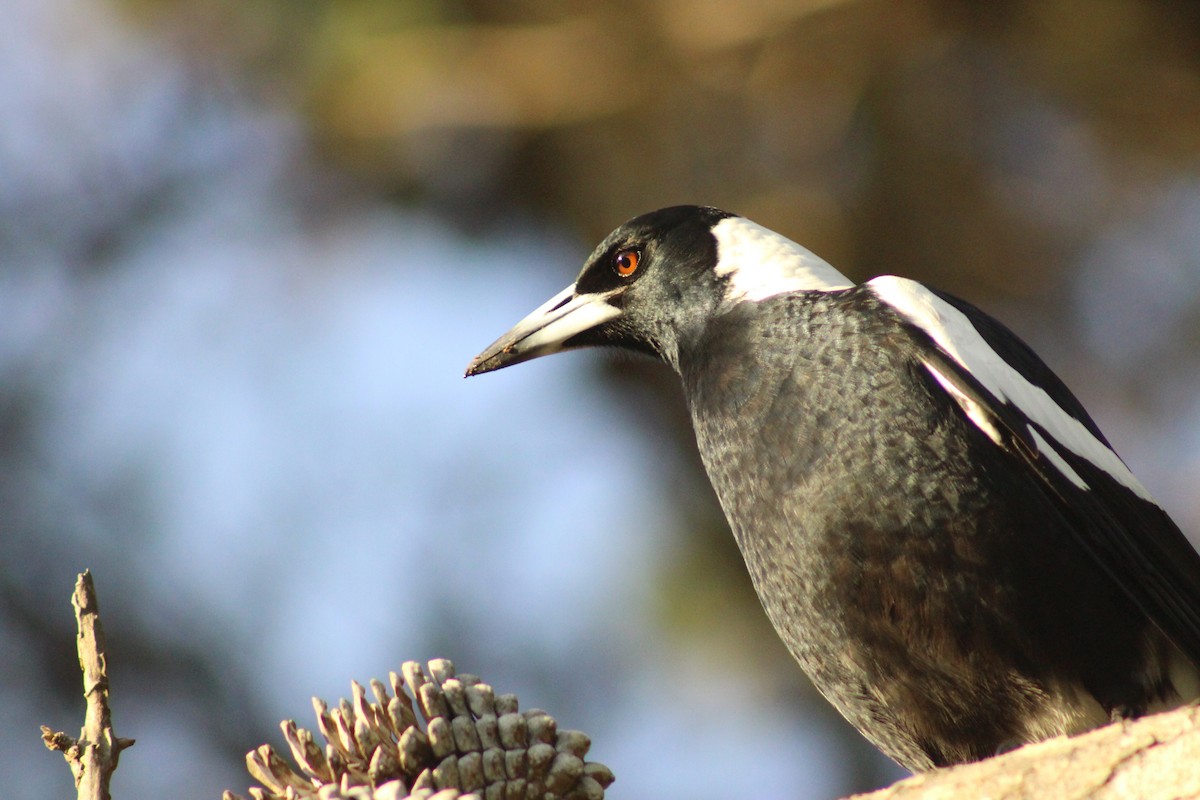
459,741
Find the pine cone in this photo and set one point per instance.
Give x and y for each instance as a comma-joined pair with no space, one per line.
467,743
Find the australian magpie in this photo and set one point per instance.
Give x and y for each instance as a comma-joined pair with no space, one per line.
939,532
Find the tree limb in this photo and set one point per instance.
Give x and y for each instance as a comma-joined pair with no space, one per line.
1152,758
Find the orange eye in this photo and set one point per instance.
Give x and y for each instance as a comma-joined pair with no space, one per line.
626,262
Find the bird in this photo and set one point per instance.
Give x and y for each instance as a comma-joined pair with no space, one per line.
938,531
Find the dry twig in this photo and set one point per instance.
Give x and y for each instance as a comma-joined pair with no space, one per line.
93,756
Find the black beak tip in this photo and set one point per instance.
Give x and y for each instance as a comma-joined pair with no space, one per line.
476,367
488,361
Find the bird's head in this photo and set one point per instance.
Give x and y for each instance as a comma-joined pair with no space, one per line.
659,279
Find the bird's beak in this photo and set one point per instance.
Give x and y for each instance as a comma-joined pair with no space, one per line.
547,330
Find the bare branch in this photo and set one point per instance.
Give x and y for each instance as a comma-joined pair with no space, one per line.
93,757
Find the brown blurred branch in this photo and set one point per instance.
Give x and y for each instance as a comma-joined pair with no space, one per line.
1153,758
93,757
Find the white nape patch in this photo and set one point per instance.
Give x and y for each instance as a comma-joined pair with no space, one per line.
760,263
975,412
954,333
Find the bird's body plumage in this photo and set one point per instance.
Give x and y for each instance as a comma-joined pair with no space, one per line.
937,529
945,609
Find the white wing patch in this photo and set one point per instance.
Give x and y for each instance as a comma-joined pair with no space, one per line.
1046,449
975,412
760,263
954,333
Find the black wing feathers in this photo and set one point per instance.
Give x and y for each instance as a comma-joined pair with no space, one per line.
1131,538
1024,360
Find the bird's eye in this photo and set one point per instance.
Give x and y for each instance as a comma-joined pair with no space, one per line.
626,262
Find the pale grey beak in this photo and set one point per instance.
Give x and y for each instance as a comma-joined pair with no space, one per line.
546,330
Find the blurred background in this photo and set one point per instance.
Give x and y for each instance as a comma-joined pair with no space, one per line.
248,248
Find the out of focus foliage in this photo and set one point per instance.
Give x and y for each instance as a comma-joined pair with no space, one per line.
975,143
